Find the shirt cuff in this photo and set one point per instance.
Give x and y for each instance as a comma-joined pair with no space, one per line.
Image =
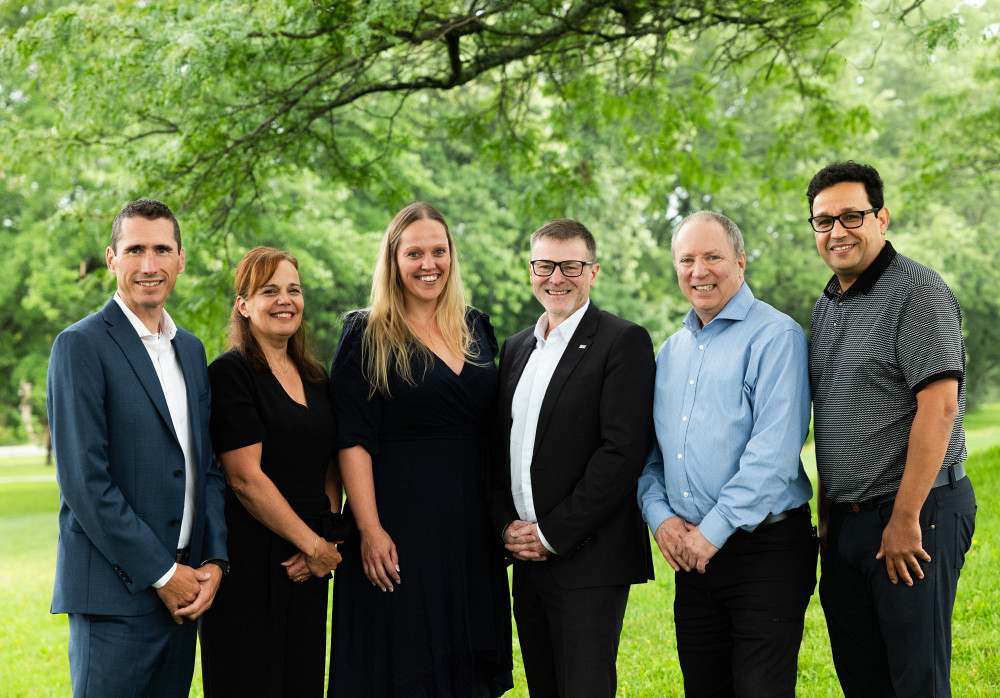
655,513
716,528
545,542
162,581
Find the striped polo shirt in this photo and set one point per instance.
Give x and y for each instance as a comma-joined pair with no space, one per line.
895,330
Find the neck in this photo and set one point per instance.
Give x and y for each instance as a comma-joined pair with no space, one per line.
420,314
275,350
845,282
149,316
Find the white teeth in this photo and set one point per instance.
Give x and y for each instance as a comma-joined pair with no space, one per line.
708,287
148,284
839,248
432,277
282,315
557,293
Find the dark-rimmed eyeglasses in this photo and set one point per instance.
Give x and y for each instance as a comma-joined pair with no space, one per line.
569,267
848,219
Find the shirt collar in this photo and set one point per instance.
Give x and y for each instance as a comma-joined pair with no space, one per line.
736,309
864,283
167,327
565,329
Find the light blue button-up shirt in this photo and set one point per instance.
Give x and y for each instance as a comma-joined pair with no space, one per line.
731,412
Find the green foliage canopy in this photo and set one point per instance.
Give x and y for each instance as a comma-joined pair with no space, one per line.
307,126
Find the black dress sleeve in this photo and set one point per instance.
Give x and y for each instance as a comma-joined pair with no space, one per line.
483,332
358,413
235,421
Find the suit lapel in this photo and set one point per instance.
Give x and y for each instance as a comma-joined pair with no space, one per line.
189,358
577,346
513,359
125,336
514,365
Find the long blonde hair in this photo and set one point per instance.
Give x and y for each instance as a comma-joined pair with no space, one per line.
389,341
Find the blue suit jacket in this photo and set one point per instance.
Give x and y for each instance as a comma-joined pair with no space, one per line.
121,468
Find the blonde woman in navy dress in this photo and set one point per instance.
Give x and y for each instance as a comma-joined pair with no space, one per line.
421,605
271,414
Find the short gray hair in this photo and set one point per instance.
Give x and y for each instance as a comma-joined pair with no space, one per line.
732,230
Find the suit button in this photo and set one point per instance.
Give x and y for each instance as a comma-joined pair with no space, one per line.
178,473
175,522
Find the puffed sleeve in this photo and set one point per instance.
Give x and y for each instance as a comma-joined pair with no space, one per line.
482,330
359,414
235,420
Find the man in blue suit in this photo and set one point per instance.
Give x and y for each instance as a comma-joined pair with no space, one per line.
140,498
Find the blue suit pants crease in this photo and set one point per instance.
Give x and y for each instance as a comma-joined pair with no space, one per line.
739,625
122,656
891,639
569,637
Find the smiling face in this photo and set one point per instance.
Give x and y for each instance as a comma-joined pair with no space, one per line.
849,251
275,309
146,265
560,295
424,260
709,271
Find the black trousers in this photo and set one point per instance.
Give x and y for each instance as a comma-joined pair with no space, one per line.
890,639
568,637
739,625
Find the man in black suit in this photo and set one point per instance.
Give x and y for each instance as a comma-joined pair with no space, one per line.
575,408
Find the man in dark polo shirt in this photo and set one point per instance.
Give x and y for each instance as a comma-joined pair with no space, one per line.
897,511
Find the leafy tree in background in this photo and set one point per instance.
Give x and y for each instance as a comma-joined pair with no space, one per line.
307,126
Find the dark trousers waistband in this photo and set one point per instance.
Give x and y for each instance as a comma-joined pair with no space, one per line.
775,518
946,476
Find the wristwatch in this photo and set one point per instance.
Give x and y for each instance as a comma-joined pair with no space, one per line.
223,565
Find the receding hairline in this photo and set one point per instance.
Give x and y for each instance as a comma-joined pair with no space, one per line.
728,226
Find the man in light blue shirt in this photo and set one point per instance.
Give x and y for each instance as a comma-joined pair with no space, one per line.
723,489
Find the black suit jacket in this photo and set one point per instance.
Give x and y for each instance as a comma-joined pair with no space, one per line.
593,435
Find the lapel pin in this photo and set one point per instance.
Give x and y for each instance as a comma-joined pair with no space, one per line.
583,346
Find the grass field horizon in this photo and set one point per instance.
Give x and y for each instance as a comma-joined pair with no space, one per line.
33,661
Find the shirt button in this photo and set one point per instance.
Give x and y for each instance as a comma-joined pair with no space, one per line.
687,494
680,455
175,522
178,473
691,381
840,304
701,346
684,419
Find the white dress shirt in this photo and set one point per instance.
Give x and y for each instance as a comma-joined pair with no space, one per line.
168,370
527,404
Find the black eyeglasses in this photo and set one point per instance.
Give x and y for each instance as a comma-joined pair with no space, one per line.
850,220
570,267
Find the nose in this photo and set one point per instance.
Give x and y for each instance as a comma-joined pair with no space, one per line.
838,230
559,271
698,268
148,263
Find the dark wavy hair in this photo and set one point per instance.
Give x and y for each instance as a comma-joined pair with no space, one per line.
848,171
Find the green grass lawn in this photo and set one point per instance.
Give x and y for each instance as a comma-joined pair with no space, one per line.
33,642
